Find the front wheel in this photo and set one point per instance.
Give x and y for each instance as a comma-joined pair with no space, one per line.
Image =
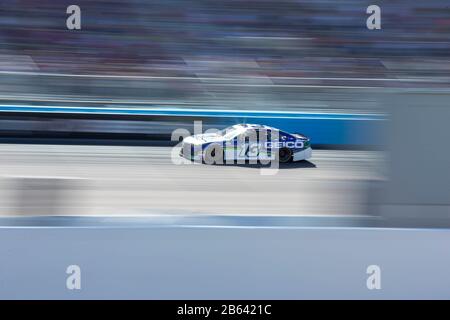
284,155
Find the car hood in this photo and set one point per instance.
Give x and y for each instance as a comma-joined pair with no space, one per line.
300,136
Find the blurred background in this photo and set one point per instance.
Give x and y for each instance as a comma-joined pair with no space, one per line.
261,54
374,103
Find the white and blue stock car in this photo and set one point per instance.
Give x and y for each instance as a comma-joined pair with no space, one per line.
246,142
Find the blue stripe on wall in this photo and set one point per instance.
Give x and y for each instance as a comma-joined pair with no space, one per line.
322,128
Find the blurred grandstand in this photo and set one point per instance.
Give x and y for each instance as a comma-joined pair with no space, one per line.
263,54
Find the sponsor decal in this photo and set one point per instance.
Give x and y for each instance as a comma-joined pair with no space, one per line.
298,144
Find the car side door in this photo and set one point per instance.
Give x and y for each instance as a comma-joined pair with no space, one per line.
248,145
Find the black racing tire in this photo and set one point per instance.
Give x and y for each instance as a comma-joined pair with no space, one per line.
284,155
213,154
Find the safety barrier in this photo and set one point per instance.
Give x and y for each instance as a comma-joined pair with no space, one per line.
323,128
222,262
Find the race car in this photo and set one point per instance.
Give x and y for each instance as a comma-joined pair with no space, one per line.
246,142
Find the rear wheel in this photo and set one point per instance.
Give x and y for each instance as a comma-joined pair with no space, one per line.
284,155
213,154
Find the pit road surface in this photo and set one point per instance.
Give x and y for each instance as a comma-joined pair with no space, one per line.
114,180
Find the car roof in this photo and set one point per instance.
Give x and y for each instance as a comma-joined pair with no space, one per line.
256,126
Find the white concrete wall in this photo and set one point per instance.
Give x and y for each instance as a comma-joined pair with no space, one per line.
418,190
223,263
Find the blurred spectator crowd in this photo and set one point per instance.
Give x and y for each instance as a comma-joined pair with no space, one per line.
283,38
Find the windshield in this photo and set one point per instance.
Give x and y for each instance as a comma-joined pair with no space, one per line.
229,132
